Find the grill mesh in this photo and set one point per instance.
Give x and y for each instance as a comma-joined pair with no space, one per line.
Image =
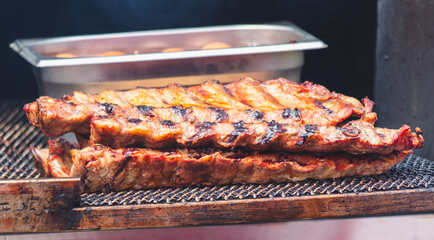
16,135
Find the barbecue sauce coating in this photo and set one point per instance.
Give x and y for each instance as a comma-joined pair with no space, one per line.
356,137
243,132
246,100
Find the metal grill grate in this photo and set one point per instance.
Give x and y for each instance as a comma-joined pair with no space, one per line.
413,172
17,135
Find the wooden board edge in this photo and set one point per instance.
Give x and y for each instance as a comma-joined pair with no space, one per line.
27,196
233,211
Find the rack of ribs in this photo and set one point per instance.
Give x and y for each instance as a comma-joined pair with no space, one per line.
279,100
244,132
356,137
105,169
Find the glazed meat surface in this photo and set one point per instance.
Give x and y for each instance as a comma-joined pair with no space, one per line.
356,137
247,100
105,169
213,134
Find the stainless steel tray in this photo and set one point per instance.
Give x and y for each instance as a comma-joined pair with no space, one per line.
262,51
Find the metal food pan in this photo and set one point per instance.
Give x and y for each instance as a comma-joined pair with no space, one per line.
261,51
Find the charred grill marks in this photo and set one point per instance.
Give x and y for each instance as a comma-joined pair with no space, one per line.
107,107
351,130
222,115
319,104
283,116
130,125
293,113
167,123
273,129
201,129
103,117
146,110
256,115
77,109
309,129
262,136
328,110
180,111
238,130
204,126
134,120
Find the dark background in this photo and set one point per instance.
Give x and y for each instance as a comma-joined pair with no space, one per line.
382,49
404,78
347,26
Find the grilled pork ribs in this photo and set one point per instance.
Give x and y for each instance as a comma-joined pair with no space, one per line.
244,132
247,100
105,169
